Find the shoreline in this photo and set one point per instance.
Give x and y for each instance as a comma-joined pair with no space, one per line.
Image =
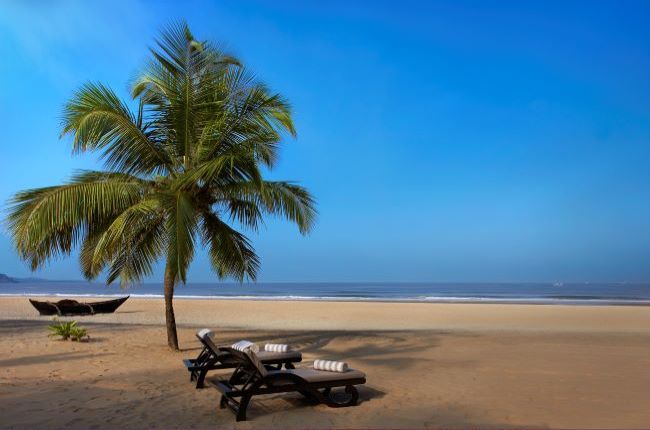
328,299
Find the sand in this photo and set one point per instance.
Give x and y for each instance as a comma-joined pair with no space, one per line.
427,365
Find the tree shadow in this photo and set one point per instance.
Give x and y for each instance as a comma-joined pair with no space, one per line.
49,358
10,326
393,349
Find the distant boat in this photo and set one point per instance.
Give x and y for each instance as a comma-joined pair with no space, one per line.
73,307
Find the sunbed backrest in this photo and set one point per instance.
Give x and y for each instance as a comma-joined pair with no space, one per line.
248,360
209,343
256,362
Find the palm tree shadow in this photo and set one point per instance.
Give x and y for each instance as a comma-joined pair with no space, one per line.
49,358
392,349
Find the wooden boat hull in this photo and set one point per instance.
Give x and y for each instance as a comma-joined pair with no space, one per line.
72,307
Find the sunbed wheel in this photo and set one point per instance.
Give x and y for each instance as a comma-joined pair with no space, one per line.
341,398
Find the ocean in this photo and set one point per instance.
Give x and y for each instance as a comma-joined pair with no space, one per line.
542,293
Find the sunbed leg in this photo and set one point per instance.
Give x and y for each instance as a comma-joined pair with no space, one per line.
289,366
201,378
222,402
243,405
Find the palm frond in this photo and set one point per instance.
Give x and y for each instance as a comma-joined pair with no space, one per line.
128,246
235,167
291,201
284,199
231,253
47,222
248,112
99,120
181,229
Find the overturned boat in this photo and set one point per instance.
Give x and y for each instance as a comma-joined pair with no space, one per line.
72,307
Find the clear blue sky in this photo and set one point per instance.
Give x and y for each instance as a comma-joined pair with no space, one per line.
444,141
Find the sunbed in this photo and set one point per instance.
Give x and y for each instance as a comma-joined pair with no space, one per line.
212,358
252,378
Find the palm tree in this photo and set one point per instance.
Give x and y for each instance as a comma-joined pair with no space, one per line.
183,168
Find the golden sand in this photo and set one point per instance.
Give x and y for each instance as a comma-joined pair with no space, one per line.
428,365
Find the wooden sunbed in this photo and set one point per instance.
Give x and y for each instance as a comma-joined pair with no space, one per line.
252,378
212,357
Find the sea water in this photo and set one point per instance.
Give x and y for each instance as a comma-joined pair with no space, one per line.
543,293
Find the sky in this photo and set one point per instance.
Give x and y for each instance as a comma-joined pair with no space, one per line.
469,141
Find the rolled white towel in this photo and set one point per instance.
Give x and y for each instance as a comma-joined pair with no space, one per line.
330,366
244,345
276,347
203,333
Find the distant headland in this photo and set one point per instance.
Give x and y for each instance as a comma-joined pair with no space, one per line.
4,279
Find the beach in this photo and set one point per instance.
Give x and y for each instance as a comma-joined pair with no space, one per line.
427,365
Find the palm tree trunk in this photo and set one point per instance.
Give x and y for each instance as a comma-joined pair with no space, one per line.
172,337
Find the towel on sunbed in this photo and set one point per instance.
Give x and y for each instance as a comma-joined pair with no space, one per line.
243,345
203,333
276,347
330,366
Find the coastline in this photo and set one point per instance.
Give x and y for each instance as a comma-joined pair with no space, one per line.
619,294
327,299
427,365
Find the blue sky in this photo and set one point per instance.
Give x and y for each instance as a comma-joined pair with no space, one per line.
444,141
